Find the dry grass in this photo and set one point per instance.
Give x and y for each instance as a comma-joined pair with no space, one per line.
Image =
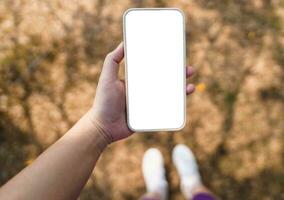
51,53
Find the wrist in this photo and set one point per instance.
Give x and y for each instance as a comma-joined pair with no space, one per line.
99,130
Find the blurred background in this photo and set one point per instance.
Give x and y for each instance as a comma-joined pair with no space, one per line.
51,54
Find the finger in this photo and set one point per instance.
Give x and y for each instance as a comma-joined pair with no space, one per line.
117,54
122,81
189,71
190,89
111,63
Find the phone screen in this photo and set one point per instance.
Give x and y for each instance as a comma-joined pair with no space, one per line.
154,43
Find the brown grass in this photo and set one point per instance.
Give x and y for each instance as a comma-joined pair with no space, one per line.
51,54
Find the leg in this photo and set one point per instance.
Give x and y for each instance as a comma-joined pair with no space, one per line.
202,193
154,175
151,196
191,184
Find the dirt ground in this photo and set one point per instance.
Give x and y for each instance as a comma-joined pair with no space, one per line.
51,54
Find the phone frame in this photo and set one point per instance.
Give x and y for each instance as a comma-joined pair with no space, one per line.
126,74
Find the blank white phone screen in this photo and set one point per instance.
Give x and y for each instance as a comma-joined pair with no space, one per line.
155,69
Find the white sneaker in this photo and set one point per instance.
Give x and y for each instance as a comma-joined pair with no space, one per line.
154,173
187,168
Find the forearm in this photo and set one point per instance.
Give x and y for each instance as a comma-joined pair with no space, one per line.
63,169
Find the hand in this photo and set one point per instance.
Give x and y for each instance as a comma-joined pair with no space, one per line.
109,108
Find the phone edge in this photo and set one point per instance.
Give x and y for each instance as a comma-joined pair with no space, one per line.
126,74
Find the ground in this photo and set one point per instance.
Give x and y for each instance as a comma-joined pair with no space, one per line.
51,54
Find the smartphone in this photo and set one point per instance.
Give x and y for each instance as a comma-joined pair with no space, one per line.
155,71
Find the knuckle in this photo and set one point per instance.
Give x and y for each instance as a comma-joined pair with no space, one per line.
109,56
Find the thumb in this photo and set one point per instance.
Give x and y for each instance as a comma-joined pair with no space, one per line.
111,63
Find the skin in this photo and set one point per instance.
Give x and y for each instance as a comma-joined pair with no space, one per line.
62,170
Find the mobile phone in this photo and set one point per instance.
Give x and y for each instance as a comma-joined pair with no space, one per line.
155,71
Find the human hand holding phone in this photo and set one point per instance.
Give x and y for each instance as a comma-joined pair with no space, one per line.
109,109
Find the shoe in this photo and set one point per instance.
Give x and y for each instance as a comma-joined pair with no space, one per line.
154,173
187,169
